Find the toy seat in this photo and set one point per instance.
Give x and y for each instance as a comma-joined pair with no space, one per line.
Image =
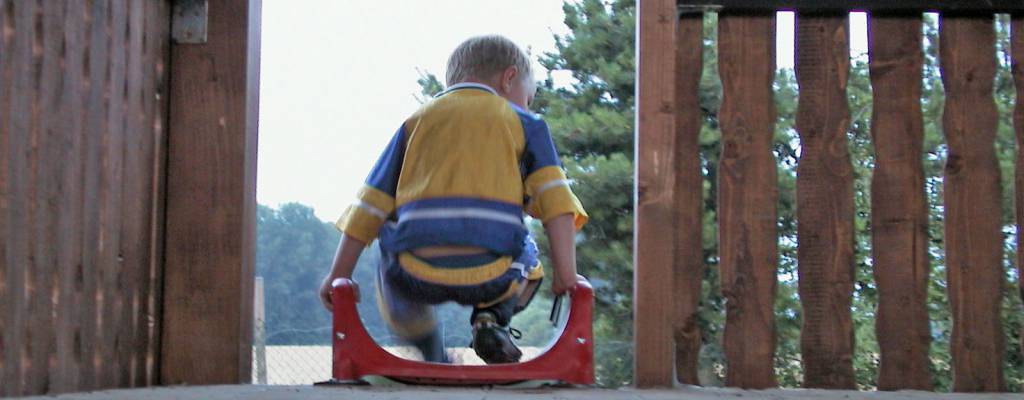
357,357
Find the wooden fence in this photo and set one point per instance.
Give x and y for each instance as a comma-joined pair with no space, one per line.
82,116
668,256
127,194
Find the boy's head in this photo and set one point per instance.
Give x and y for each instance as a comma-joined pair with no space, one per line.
496,61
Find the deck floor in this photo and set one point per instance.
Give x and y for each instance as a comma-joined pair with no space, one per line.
258,392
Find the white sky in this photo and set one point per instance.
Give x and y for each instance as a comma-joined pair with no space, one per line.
336,82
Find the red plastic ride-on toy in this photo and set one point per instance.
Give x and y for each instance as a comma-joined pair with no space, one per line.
569,360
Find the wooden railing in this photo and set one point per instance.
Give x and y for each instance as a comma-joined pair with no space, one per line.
668,259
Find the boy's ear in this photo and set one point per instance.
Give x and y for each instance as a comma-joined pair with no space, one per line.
508,76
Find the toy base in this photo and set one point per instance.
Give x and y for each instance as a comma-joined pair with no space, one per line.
358,358
383,381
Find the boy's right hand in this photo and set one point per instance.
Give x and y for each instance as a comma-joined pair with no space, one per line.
563,286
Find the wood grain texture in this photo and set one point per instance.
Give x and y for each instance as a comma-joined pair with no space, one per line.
972,203
7,366
899,209
156,48
689,186
1017,52
20,266
110,200
654,239
824,201
69,225
71,93
46,136
135,221
207,308
747,197
96,67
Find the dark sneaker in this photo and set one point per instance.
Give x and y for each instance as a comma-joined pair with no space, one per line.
493,342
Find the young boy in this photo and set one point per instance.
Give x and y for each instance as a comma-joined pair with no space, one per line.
446,199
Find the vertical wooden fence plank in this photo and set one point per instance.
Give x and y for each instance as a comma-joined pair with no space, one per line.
824,197
18,231
10,285
1017,51
40,184
689,187
50,145
18,128
111,191
899,210
207,304
69,221
71,89
747,196
133,247
972,202
654,237
95,118
154,95
159,48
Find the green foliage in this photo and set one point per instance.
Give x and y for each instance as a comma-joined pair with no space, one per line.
592,123
293,250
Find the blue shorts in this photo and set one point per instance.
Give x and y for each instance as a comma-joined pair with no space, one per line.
408,286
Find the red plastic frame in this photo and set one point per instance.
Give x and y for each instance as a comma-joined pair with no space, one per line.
569,360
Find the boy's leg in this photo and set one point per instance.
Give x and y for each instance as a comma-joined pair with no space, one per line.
492,336
412,321
505,309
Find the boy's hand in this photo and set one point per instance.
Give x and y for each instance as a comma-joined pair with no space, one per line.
561,237
327,292
563,286
344,262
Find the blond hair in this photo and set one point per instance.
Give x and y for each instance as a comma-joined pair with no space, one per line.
482,57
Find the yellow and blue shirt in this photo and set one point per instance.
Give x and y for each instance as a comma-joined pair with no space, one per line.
461,171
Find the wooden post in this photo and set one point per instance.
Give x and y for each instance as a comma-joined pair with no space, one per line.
824,200
689,187
655,226
210,236
1017,49
747,196
972,202
899,209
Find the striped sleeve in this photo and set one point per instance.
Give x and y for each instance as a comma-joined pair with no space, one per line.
547,187
375,202
550,196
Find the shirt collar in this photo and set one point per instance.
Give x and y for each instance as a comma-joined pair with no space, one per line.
466,85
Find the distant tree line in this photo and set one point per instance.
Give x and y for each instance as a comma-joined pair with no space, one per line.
592,122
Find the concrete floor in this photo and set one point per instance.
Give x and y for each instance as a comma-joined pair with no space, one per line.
257,392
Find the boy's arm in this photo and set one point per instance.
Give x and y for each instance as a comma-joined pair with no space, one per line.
345,259
561,232
361,221
552,201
